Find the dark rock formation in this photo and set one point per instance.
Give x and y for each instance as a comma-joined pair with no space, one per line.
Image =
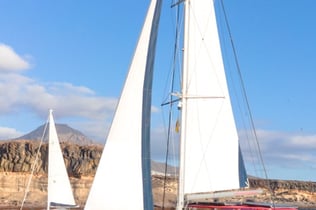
20,156
275,185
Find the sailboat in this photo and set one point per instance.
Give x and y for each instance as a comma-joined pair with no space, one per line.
59,190
210,157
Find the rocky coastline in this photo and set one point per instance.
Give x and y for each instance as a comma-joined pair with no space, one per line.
17,157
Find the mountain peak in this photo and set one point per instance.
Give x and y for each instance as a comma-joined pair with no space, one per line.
65,134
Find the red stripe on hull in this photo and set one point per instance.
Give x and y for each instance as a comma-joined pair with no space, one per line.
239,207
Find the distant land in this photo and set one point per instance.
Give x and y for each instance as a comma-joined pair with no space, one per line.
72,141
82,156
65,134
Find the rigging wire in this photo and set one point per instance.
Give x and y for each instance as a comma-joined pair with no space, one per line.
171,100
34,165
245,97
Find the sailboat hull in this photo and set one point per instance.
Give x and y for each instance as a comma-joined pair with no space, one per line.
244,206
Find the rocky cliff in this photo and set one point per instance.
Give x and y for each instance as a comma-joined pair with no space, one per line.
17,157
20,155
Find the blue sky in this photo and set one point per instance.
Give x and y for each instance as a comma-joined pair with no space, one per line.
73,56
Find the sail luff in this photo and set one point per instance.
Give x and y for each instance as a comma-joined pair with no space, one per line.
146,114
119,181
59,187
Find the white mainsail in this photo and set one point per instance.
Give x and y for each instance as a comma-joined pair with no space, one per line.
209,142
124,168
59,187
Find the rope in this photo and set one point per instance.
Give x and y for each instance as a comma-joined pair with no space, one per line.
171,103
33,167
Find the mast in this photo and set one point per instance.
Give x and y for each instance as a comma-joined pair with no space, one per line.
180,201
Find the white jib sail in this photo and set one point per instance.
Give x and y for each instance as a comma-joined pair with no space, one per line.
59,187
209,138
118,181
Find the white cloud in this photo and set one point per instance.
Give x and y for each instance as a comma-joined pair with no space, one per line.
64,88
20,94
304,141
92,112
8,133
10,60
68,100
281,151
155,109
